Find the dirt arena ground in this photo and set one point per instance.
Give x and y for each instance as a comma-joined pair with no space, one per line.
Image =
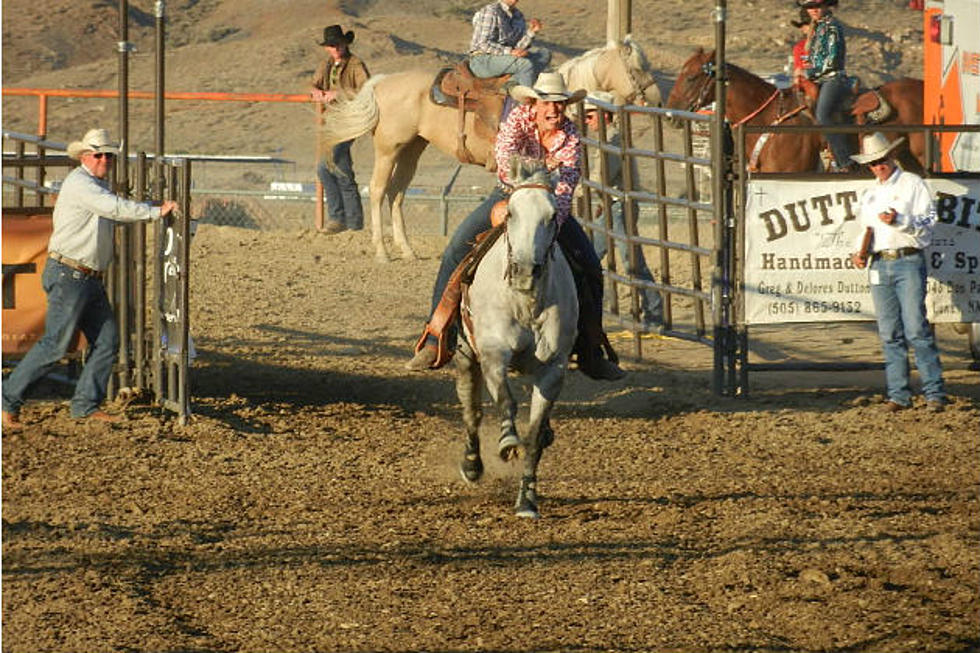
312,503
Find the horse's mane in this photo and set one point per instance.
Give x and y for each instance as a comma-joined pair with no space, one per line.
578,70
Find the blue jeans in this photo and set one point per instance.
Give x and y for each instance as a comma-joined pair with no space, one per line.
651,303
340,188
75,301
524,70
830,111
899,300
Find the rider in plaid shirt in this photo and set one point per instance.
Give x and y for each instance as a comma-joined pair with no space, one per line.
501,44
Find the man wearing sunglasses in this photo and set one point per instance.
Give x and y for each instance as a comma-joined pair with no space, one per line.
79,251
900,211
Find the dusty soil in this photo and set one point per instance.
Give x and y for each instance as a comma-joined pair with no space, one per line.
312,502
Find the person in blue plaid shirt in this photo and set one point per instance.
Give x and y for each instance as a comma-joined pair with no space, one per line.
501,44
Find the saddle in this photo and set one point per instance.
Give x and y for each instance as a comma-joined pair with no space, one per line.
447,311
871,108
458,87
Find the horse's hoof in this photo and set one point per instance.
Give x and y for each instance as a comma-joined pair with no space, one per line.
527,499
507,447
471,467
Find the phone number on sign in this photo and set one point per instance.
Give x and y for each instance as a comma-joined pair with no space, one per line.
803,308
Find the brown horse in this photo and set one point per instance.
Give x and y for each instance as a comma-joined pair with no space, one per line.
751,100
898,102
404,121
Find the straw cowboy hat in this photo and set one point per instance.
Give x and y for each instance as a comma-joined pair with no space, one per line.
334,35
601,96
549,87
94,140
810,4
875,146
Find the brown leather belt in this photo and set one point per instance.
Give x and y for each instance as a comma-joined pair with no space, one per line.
901,252
75,265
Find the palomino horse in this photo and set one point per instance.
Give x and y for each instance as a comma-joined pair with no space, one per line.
522,313
398,110
751,100
898,102
623,70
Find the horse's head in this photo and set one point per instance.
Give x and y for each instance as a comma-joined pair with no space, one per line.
626,72
531,228
694,88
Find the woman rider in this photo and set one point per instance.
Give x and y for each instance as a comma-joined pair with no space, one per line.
538,129
826,70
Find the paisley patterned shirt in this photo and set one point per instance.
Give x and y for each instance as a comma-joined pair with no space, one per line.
519,136
827,50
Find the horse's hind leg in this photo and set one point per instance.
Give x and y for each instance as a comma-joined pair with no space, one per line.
470,392
405,167
384,162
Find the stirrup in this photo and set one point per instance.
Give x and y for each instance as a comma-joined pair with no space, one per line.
443,353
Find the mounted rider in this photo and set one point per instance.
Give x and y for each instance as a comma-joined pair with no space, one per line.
540,130
501,44
825,68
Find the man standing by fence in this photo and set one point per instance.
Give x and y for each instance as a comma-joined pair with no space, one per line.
340,76
79,251
901,214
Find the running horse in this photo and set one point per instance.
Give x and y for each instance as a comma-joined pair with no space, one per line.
398,110
751,100
520,314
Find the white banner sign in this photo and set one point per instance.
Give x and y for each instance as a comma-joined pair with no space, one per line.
799,236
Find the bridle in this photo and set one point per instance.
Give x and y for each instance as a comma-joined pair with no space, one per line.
639,89
700,99
550,250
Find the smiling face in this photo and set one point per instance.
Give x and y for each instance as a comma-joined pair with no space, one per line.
98,163
548,115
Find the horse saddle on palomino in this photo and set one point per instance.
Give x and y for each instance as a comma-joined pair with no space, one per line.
447,312
484,97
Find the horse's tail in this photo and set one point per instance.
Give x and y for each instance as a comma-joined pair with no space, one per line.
345,120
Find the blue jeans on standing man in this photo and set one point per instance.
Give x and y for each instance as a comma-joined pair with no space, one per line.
524,70
340,188
651,303
75,301
830,111
899,300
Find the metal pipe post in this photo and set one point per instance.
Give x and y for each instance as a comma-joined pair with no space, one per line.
719,173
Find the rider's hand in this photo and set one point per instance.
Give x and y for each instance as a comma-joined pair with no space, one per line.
858,261
888,217
534,26
519,52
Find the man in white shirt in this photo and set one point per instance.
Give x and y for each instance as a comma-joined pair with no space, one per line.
79,251
900,211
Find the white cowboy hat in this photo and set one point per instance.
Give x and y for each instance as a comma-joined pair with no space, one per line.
94,140
875,146
601,96
549,87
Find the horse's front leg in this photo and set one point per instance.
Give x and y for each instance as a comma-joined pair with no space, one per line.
539,436
470,393
495,373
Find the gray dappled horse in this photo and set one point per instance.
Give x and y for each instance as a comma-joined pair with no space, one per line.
522,312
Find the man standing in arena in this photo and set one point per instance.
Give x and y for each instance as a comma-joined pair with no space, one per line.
79,251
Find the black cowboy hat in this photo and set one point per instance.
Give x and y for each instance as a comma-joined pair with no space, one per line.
810,4
334,35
